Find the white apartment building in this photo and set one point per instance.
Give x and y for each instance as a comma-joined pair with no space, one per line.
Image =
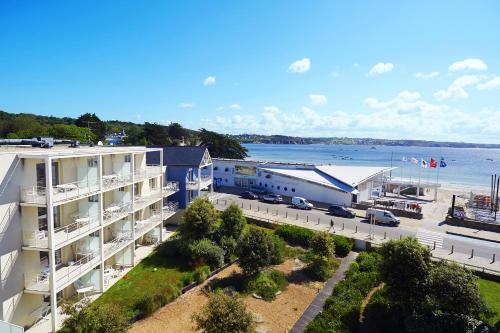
73,219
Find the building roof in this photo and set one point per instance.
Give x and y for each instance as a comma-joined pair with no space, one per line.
184,155
352,175
65,151
313,176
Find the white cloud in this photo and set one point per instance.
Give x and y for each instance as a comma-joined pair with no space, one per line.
491,84
271,109
209,81
318,99
425,76
468,64
300,66
456,89
185,105
234,106
381,68
335,74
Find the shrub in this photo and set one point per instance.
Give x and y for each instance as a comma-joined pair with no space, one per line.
343,245
321,244
228,244
199,220
319,268
147,304
171,247
264,286
368,262
278,277
277,250
185,279
295,235
223,314
233,222
256,251
84,317
205,251
201,273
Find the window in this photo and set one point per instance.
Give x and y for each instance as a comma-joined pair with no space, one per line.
121,189
92,162
152,183
272,186
265,185
216,168
226,180
286,189
127,158
260,183
278,187
293,189
268,176
94,198
226,169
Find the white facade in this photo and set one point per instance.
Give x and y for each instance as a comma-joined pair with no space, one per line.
69,218
338,185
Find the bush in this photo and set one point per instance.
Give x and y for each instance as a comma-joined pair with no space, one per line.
343,245
319,268
267,284
205,251
201,273
277,250
295,235
171,247
200,219
147,304
228,244
256,251
233,222
84,317
185,279
321,244
278,277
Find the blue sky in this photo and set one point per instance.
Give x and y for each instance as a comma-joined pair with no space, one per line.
308,68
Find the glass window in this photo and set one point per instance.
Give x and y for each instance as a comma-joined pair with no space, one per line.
94,198
127,158
121,189
293,189
286,189
278,187
92,162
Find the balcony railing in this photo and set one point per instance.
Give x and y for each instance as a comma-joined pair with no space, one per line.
65,274
82,225
142,201
143,226
170,188
116,211
149,171
170,208
116,180
121,238
204,181
61,192
36,238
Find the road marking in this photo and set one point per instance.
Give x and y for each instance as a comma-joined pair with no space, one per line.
426,237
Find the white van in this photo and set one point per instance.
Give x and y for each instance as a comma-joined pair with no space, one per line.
382,216
301,203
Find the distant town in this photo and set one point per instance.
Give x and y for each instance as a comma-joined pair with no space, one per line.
283,139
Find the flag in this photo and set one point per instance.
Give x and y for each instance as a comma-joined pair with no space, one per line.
404,159
423,164
442,163
433,163
414,160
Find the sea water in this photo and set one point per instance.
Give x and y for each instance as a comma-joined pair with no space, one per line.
470,167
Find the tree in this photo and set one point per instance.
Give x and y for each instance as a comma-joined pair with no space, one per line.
255,251
156,134
176,132
223,314
322,244
199,220
92,122
233,222
70,132
221,146
84,317
405,270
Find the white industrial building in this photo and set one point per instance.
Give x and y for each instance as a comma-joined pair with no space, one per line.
72,220
332,184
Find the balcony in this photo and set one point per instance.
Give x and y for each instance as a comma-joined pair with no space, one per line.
169,209
170,188
202,183
36,238
60,193
82,225
143,226
66,274
149,172
145,200
116,211
115,180
121,238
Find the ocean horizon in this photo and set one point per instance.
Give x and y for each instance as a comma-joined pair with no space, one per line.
466,167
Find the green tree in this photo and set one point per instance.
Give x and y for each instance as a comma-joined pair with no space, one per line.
156,134
223,314
233,222
255,251
176,132
322,244
221,146
92,122
84,317
200,219
70,132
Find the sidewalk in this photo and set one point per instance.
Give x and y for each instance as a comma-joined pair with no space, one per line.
473,233
317,304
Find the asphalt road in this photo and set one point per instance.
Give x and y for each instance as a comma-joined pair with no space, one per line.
484,249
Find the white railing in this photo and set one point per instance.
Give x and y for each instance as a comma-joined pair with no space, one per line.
116,180
170,207
145,200
170,188
119,241
205,180
77,268
61,192
6,327
82,225
33,194
149,171
116,211
143,226
36,238
39,282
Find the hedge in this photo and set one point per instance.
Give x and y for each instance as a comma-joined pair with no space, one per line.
343,245
295,235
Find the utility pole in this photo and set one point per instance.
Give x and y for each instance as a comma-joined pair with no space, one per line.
88,132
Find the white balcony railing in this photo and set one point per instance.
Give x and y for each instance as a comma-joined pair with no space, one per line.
116,211
36,238
82,225
170,188
68,273
116,180
61,192
120,239
142,201
149,171
170,208
202,182
143,226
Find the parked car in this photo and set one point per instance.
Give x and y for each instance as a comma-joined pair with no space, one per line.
382,216
249,195
340,211
301,203
273,198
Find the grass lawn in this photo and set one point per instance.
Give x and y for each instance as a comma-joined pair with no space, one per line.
142,280
491,293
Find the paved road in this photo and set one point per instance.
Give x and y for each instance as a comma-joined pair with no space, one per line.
483,249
